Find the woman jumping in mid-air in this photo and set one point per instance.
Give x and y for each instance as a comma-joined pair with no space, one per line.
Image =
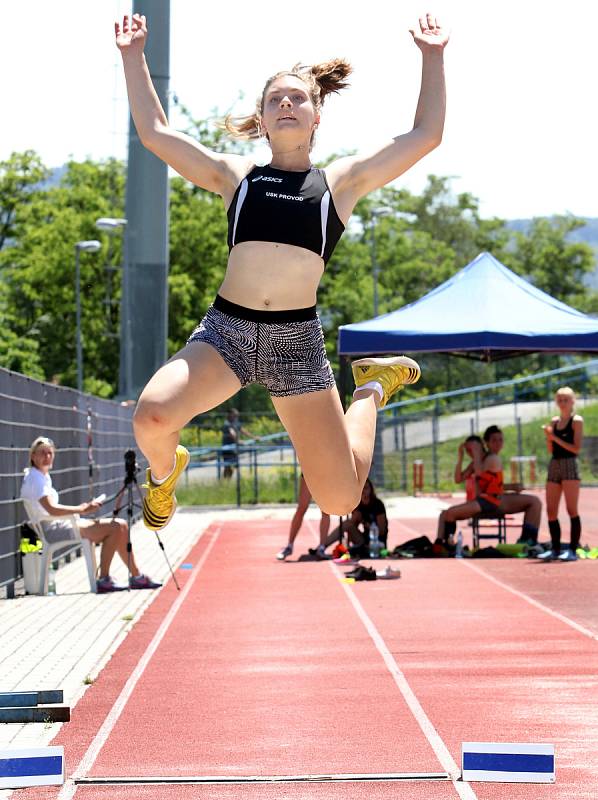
284,221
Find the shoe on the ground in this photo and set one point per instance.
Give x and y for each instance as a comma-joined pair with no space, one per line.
319,553
143,582
547,555
159,503
568,555
391,372
107,584
285,553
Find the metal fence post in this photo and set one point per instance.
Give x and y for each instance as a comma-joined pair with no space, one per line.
520,448
395,414
238,474
255,477
404,454
435,446
477,410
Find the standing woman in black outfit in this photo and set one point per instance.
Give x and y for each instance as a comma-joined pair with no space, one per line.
564,436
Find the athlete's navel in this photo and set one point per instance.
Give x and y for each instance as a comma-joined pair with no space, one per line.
266,301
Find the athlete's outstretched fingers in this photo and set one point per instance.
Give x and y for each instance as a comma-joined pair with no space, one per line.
431,22
423,24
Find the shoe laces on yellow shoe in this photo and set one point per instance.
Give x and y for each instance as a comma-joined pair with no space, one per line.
392,373
158,499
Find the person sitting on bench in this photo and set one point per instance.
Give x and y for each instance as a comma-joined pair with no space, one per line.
490,498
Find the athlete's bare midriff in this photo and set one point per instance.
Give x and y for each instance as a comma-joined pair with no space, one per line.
271,276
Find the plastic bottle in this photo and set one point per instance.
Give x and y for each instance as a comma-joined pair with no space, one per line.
374,541
52,580
459,550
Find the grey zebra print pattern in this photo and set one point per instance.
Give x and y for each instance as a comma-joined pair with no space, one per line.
287,358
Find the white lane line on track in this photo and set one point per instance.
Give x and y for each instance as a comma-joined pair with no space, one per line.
99,740
443,755
575,625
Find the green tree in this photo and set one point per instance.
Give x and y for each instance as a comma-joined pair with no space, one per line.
552,262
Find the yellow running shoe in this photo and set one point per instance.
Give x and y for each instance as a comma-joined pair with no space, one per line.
391,373
159,503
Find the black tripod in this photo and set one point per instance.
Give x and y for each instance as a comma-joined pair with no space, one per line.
124,497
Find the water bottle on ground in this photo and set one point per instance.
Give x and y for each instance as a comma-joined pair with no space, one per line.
459,550
52,580
374,541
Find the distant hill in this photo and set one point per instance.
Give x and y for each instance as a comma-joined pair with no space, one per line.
588,234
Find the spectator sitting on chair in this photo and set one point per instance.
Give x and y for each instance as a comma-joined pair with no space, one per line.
302,506
37,489
490,498
370,509
467,475
231,431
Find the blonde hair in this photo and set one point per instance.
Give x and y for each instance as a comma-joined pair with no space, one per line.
320,79
37,443
566,390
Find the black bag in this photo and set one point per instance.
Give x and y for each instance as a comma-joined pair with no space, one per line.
28,533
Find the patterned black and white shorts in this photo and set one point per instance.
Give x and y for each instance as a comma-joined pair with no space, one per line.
563,469
282,350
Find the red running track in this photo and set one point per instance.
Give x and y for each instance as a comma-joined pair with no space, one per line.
268,669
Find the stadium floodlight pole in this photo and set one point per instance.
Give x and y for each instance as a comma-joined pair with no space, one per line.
91,246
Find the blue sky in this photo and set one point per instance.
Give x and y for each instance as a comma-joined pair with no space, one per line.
522,122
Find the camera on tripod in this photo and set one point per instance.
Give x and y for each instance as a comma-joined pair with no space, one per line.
131,467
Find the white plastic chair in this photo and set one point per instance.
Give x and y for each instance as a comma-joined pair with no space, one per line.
72,538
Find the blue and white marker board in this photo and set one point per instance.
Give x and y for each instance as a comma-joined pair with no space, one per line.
31,766
508,762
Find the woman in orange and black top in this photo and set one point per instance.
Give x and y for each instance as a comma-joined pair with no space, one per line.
490,498
564,436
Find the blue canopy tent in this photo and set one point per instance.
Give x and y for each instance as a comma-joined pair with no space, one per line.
485,311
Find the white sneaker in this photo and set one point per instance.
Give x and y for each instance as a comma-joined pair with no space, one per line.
285,552
568,555
546,556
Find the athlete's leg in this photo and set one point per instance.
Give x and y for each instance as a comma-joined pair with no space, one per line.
334,450
571,492
302,506
324,528
193,381
528,503
447,519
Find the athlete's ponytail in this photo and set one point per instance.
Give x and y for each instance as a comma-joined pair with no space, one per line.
330,76
321,80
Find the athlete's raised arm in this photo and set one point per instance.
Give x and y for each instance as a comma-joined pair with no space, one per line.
216,172
356,176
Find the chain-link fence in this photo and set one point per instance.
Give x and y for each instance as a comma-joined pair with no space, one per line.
91,436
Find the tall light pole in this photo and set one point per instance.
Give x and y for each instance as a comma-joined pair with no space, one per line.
91,246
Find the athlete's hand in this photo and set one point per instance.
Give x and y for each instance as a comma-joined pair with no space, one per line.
430,36
133,34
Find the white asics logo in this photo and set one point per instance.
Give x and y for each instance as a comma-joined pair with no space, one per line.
266,178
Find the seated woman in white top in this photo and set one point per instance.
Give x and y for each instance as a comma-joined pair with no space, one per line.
43,501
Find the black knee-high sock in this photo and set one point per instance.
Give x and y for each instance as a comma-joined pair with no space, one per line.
449,530
575,532
555,535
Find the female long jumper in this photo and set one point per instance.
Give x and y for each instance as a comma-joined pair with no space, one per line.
284,221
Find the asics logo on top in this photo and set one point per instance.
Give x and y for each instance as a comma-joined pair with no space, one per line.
266,178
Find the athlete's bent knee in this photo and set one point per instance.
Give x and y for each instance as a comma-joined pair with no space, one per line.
338,503
149,416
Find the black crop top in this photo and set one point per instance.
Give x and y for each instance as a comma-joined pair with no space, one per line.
274,205
566,434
